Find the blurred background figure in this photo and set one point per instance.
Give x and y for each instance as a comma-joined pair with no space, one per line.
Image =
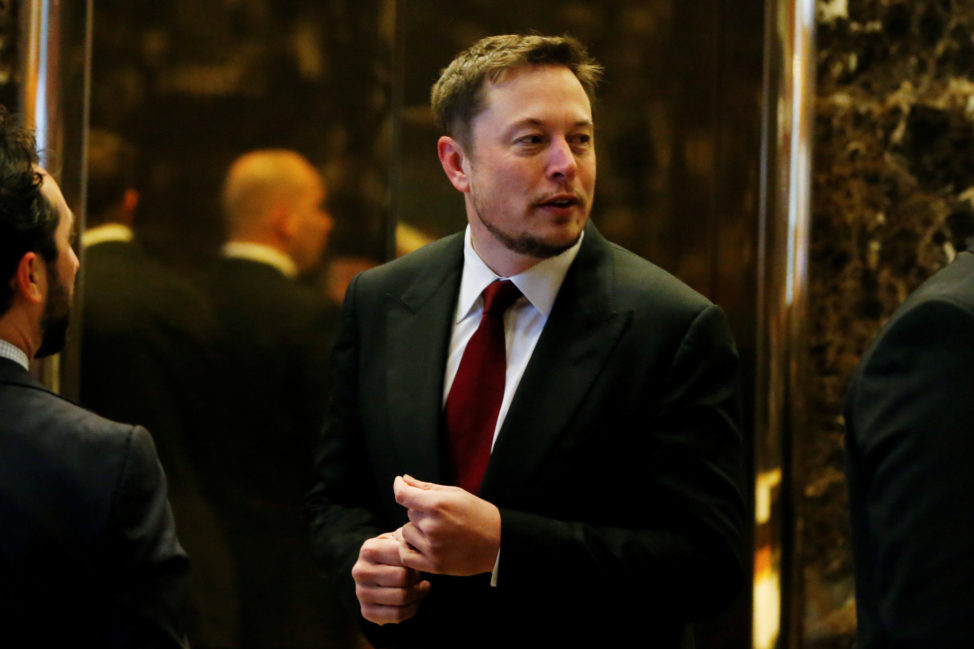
273,345
146,350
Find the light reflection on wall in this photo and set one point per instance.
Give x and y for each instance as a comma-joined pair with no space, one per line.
766,622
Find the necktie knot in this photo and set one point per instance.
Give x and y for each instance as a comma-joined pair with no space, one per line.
499,296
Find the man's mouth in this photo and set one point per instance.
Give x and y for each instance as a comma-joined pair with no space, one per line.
560,201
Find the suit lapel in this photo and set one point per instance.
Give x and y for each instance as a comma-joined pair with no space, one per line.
581,331
418,328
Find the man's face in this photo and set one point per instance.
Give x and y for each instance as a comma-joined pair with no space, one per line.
60,275
531,172
312,223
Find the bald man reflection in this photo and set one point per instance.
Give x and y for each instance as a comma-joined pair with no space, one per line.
272,343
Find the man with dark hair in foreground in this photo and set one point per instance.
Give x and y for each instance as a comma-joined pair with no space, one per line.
88,554
533,436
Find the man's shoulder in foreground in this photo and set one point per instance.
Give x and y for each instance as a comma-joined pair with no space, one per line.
946,296
954,283
89,536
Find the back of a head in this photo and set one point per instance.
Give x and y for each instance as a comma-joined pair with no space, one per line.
257,183
112,170
27,220
457,96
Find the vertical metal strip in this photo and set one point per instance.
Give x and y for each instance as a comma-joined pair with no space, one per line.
782,297
38,107
45,40
398,93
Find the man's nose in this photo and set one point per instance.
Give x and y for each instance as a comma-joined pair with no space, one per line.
561,160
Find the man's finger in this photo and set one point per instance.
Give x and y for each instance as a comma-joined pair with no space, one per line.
415,560
388,614
419,484
391,596
380,551
413,537
413,497
384,576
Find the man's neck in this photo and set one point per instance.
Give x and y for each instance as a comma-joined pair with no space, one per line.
500,259
261,253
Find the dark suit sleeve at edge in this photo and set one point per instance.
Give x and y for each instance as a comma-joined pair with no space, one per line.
912,410
689,562
337,527
152,568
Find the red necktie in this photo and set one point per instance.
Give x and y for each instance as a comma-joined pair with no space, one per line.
478,389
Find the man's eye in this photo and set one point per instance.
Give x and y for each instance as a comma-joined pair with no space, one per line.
533,138
582,139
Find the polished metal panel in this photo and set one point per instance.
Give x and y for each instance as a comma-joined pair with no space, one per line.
55,47
782,297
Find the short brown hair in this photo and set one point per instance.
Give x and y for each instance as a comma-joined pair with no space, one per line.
457,95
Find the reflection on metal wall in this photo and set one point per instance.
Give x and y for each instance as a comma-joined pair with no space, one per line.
788,120
53,80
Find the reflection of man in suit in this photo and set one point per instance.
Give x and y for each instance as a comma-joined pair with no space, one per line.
273,336
88,554
909,449
146,350
610,507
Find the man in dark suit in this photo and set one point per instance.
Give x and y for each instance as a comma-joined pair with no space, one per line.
600,460
909,448
272,344
146,354
88,554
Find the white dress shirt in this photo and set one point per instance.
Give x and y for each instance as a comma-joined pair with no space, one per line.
261,253
14,353
523,322
105,233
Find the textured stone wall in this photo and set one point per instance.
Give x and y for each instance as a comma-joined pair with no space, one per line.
893,187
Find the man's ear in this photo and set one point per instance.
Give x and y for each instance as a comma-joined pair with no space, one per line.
130,203
30,279
285,225
452,158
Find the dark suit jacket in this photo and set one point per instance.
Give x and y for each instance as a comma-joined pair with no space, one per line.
617,471
910,467
147,359
273,341
272,345
88,553
147,339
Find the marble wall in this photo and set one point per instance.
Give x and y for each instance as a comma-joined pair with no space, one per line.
893,201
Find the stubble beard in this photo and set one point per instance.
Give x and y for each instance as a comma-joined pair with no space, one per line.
55,319
524,243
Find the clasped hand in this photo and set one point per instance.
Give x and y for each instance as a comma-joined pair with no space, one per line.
450,532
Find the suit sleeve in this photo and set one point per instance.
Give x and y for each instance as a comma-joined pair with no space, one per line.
912,410
686,558
338,510
150,567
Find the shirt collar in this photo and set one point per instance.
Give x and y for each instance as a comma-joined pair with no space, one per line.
106,232
14,353
539,284
262,254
